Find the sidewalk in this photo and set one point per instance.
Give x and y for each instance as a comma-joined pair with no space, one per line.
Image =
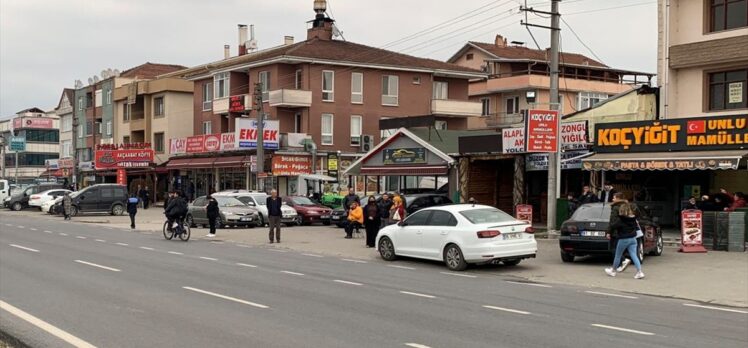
716,277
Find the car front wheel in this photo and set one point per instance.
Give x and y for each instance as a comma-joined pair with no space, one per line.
387,249
659,246
453,258
189,221
17,206
640,250
567,257
118,209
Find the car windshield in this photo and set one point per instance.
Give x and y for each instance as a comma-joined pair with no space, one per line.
302,201
229,202
245,199
486,216
261,199
592,212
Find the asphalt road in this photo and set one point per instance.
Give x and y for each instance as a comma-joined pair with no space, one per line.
66,283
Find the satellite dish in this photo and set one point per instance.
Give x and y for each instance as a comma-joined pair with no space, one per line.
90,81
104,74
96,79
78,84
116,72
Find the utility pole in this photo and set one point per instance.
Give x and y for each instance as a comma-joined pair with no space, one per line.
260,136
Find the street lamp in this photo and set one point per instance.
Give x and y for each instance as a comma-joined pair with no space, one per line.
75,153
2,155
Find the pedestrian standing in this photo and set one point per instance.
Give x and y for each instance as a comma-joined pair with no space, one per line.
625,229
607,194
212,212
132,209
145,196
587,196
350,198
67,205
139,192
384,210
273,204
372,221
397,212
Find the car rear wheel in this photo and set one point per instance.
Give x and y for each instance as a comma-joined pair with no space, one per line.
659,246
189,221
17,206
387,249
567,257
73,210
640,250
118,209
453,258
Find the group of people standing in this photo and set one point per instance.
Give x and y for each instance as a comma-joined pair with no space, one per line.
373,216
722,201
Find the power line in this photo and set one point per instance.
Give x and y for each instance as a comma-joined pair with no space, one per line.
581,41
612,8
472,38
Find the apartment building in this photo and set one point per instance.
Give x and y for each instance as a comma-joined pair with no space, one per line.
41,131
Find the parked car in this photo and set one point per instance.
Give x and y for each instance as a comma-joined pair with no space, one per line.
20,200
585,233
5,190
332,200
232,212
459,235
257,200
52,207
37,199
413,203
99,198
309,212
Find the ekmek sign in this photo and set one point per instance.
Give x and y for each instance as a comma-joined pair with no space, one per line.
246,134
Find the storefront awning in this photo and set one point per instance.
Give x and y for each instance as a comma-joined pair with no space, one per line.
318,177
178,163
405,170
231,161
685,160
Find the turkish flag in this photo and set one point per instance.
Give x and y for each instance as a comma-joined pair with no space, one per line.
696,127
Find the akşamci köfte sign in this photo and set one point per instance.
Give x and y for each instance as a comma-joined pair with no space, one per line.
121,159
246,134
684,134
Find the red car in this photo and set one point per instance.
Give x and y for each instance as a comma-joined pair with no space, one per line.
309,211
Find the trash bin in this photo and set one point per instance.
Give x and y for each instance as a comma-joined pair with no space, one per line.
562,211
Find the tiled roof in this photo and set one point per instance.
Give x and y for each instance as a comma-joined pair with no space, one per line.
151,70
521,52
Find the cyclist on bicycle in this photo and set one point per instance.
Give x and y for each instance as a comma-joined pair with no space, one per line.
176,209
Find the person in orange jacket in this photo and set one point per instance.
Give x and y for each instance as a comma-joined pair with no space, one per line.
355,219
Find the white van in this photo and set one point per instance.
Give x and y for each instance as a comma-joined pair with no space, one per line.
4,190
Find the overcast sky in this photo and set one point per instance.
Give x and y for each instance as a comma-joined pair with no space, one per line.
46,45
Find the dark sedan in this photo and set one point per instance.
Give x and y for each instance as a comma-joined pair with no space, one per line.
585,233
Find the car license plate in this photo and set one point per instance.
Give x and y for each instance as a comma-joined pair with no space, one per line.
325,216
508,236
245,219
336,217
593,233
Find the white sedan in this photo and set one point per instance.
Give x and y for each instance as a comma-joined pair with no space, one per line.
459,234
38,199
49,205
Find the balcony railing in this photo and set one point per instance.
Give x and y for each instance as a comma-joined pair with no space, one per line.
503,119
220,106
455,107
290,98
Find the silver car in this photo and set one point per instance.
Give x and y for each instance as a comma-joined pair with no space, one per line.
258,200
232,212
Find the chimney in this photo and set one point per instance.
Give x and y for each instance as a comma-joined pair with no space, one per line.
500,41
321,25
226,52
288,40
242,39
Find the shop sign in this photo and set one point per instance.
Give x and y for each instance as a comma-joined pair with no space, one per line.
542,131
539,161
122,177
246,134
410,155
85,166
52,164
574,135
66,162
684,134
195,144
18,144
33,122
692,231
117,159
123,146
524,212
236,103
291,165
228,141
332,165
178,146
513,140
735,93
670,164
212,142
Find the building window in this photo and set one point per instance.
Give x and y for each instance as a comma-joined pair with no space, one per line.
356,127
299,79
108,97
440,125
357,88
390,85
512,105
158,142
208,96
440,90
80,131
89,127
727,90
469,56
97,98
41,136
67,147
297,123
109,128
221,81
67,124
328,85
158,106
207,127
589,99
486,106
126,112
326,129
264,78
728,14
80,103
126,139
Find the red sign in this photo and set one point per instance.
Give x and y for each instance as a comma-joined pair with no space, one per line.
212,142
696,127
291,165
542,131
227,141
691,232
524,212
120,159
66,162
122,177
34,122
123,146
236,103
195,144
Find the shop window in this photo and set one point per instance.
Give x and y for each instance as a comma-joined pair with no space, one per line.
327,128
158,142
727,14
727,90
356,125
328,86
357,88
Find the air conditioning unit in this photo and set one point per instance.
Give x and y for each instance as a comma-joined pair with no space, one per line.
367,143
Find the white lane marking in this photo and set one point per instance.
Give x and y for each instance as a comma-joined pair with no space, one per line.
623,329
529,284
24,248
146,248
245,265
33,229
416,294
208,258
226,297
49,328
9,225
347,282
716,308
611,295
312,255
19,226
507,310
416,345
216,242
351,260
459,274
63,234
80,237
243,246
292,273
122,244
47,231
175,253
401,267
99,266
101,241
279,250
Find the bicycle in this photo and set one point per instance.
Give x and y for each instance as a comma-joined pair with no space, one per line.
182,230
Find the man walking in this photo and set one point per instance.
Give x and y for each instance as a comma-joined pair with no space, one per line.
67,205
273,204
132,209
145,197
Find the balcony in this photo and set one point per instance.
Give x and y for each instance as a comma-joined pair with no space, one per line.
290,98
455,108
220,106
235,103
503,120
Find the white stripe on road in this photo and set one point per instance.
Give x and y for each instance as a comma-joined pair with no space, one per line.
715,308
63,234
175,253
243,246
19,226
33,229
529,284
292,273
24,248
245,265
216,242
507,310
101,241
49,328
347,282
122,244
226,297
401,267
416,345
416,294
9,225
47,231
208,258
350,260
312,255
611,295
99,266
146,248
459,274
623,329
279,250
80,237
